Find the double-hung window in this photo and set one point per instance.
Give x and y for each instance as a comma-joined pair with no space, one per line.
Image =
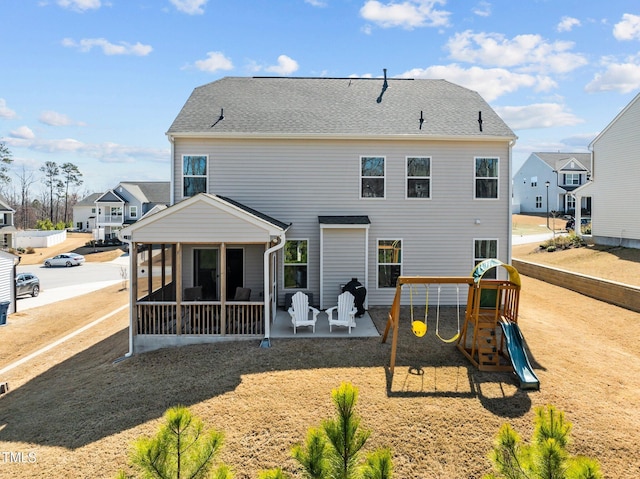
372,177
418,177
485,249
538,202
389,262
194,174
295,264
486,178
133,211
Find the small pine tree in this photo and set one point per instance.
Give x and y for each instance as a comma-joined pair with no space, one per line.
334,450
546,457
181,449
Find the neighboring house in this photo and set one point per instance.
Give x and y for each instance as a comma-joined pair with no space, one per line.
8,263
127,203
7,229
615,219
562,172
287,184
84,213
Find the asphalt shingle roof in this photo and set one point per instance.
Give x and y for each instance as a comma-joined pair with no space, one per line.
336,107
558,160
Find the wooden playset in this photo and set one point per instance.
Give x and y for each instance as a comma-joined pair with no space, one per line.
489,337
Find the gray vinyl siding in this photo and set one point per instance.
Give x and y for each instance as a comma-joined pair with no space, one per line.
616,170
213,225
296,181
344,258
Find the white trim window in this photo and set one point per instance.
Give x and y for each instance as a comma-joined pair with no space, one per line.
418,177
572,179
389,262
296,266
133,211
539,202
372,177
485,248
486,178
194,174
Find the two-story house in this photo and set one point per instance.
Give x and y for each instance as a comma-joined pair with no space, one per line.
85,211
7,229
287,184
125,204
546,182
615,220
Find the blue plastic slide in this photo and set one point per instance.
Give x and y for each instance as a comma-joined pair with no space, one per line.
519,360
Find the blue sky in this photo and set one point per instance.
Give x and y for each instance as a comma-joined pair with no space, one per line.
98,82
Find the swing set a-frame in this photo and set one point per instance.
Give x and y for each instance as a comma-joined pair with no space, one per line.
490,337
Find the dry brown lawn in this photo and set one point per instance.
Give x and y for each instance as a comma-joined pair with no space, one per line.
77,412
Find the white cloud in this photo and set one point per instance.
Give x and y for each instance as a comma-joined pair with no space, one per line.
53,118
80,5
285,66
490,83
215,61
620,77
567,24
316,3
409,14
190,7
483,9
5,111
628,28
103,152
22,132
537,115
108,48
528,52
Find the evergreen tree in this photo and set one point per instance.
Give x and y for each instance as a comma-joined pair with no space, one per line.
181,449
546,457
5,160
334,451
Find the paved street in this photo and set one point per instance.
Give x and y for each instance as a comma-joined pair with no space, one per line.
61,283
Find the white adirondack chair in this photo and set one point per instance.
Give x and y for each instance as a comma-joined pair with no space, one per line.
346,312
299,312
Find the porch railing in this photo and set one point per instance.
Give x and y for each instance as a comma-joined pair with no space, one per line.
200,318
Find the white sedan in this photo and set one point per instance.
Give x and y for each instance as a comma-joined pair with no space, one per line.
64,259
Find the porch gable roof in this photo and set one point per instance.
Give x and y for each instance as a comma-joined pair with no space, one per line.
205,218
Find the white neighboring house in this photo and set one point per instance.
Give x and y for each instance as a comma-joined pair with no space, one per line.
615,216
84,213
7,229
563,173
123,205
300,184
8,263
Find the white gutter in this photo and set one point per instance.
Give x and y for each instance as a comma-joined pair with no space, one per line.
338,136
267,288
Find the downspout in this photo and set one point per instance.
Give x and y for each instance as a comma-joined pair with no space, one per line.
133,267
266,342
510,221
172,177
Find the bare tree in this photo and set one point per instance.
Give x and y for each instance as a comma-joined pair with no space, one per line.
23,213
71,177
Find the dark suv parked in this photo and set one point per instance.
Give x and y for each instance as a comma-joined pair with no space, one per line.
27,283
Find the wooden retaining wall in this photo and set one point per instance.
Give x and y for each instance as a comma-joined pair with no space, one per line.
623,295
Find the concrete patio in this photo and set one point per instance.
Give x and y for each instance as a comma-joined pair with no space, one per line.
282,328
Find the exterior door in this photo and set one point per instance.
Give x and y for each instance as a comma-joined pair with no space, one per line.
235,271
205,272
